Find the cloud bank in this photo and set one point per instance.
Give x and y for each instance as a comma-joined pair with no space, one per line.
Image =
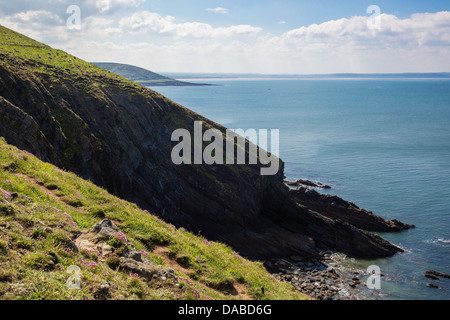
419,43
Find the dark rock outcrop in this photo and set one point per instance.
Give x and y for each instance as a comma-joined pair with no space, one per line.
307,184
334,208
118,135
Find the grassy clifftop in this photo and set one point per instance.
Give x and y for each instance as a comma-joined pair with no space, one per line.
43,208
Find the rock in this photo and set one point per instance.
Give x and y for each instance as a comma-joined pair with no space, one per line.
306,183
102,292
94,240
430,285
436,274
283,266
336,208
296,258
143,270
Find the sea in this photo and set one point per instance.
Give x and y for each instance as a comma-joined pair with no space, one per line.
383,144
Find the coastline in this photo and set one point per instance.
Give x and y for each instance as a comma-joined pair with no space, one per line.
325,279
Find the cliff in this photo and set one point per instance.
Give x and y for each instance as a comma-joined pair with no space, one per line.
117,133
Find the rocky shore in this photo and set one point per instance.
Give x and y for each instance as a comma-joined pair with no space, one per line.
324,279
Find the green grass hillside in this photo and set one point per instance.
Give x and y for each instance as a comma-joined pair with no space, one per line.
17,49
43,208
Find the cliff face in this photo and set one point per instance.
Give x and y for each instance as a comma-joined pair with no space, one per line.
118,134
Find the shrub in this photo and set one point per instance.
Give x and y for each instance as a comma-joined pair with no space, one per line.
6,209
36,260
113,262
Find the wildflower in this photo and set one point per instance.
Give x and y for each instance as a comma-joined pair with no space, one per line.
92,265
6,194
122,237
70,218
207,242
144,253
69,251
238,256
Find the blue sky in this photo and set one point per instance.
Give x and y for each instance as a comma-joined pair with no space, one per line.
256,36
266,13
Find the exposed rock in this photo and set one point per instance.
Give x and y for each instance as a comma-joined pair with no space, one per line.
431,276
102,292
144,270
306,183
431,273
95,239
334,208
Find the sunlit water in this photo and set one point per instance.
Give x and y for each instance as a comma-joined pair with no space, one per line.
382,144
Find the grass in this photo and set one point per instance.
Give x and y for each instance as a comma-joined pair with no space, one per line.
34,57
43,207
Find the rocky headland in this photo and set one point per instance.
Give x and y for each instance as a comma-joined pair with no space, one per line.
117,134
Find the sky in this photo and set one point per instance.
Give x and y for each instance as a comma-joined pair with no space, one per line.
244,36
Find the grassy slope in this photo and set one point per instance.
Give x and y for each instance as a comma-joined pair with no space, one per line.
19,50
34,232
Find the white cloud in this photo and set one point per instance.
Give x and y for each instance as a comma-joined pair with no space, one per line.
40,17
112,5
150,22
419,43
282,22
419,29
218,10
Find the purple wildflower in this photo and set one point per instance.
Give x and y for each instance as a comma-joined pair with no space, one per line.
69,251
70,218
122,237
143,252
6,194
92,265
238,256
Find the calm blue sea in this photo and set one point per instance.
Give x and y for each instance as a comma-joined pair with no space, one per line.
382,144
